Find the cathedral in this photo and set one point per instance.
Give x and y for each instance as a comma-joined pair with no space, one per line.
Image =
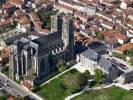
36,59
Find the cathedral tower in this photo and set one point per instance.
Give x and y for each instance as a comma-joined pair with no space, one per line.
56,23
68,36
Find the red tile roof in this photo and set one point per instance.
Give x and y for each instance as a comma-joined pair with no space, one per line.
8,5
5,53
35,17
78,13
120,36
10,98
24,20
27,84
108,34
125,47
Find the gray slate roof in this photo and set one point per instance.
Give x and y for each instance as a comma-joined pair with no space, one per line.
105,63
91,54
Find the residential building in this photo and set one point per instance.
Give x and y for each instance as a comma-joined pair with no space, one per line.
122,39
126,3
64,8
82,16
89,10
124,48
130,17
107,25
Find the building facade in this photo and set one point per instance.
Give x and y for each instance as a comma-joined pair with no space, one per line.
36,59
95,60
89,59
56,21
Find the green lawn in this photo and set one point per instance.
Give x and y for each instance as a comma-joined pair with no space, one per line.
119,55
113,93
2,98
55,89
6,73
5,70
7,29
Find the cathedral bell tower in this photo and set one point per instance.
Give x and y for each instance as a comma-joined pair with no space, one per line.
68,36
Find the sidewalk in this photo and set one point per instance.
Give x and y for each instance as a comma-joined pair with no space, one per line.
87,89
77,66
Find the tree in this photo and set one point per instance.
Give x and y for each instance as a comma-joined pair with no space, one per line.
98,75
61,65
99,36
131,61
61,68
130,53
119,55
5,61
71,83
83,78
76,82
45,16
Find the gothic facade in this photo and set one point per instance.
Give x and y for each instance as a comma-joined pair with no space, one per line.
36,59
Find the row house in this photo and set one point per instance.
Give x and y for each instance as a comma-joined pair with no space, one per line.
100,8
126,12
119,21
64,8
105,16
121,39
72,4
107,25
116,14
89,10
83,17
130,24
123,48
130,16
129,32
9,8
126,4
113,38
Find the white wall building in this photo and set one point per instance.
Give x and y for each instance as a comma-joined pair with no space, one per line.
89,59
89,10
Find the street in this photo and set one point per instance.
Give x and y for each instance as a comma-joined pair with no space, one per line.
11,87
15,89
